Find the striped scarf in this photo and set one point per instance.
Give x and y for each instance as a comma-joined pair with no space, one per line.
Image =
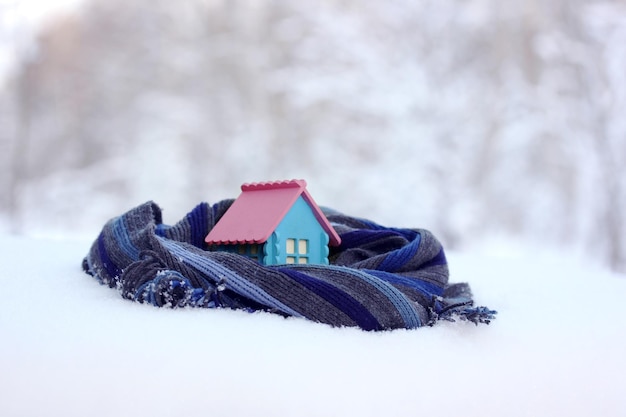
379,278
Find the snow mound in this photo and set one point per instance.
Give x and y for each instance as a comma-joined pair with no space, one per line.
72,347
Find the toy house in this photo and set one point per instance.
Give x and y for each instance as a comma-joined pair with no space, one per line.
275,223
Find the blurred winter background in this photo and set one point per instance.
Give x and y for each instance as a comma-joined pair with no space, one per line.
485,121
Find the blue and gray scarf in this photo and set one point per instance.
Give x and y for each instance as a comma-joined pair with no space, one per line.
379,278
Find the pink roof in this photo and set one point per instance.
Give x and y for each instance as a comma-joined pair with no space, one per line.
259,209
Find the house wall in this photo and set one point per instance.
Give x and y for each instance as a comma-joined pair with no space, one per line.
298,224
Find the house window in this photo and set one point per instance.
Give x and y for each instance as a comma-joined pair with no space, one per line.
303,247
251,251
297,251
291,246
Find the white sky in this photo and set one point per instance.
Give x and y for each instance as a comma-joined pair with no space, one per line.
19,20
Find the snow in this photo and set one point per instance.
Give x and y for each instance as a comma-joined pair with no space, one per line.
72,347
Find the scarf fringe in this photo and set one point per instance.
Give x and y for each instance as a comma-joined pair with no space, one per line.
460,308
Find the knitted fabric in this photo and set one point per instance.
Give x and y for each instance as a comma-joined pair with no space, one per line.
379,278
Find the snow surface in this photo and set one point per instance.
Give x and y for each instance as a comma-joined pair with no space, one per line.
72,347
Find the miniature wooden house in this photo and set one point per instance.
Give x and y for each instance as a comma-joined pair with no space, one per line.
275,223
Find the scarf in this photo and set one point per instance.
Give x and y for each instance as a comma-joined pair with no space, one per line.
378,278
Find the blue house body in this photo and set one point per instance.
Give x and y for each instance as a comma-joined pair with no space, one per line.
297,239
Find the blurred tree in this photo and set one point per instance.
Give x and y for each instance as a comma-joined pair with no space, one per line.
473,118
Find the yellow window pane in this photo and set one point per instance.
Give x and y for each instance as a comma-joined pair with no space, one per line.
303,246
291,260
241,249
254,249
303,260
291,246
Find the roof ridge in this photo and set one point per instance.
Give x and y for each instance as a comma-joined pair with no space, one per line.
273,185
